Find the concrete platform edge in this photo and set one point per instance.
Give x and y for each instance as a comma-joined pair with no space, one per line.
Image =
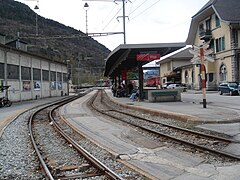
165,114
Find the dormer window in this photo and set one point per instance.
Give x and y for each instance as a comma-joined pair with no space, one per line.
201,27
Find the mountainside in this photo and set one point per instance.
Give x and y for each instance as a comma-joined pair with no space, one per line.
54,40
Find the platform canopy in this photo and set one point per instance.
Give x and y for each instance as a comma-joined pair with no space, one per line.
124,57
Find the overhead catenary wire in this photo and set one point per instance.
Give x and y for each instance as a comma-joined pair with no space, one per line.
107,16
137,7
112,18
142,12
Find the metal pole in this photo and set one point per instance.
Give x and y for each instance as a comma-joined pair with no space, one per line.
36,24
36,8
124,22
86,23
203,77
140,80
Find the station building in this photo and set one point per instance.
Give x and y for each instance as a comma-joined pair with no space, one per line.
217,23
29,76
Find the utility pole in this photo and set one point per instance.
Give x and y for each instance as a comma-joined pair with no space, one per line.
124,22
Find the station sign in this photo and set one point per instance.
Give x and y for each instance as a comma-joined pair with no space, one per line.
147,57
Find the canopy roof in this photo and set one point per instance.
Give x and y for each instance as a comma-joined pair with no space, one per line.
124,56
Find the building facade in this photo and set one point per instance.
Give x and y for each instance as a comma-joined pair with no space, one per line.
30,76
177,68
217,23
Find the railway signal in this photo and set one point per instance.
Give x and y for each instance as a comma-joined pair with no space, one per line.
200,55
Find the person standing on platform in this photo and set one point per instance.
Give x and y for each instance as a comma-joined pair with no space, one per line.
130,88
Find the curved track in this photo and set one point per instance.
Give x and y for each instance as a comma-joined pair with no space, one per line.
204,142
97,169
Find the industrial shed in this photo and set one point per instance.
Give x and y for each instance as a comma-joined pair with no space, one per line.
30,76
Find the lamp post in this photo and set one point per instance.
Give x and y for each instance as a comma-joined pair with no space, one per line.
36,8
68,76
86,7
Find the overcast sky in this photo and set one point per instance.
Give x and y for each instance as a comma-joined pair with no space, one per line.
147,21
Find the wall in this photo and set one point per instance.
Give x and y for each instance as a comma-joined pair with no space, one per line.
224,57
32,87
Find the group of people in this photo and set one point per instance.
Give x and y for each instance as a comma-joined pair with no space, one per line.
120,90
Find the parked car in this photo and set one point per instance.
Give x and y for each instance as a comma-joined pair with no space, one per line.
228,87
173,86
165,85
177,86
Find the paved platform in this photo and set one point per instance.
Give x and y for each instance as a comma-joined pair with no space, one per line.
186,110
140,151
7,114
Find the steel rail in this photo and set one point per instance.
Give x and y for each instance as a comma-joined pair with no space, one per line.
165,135
95,162
30,123
176,127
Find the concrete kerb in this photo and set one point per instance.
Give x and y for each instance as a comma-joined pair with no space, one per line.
162,113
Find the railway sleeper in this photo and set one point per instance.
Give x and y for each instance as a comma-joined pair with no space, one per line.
82,167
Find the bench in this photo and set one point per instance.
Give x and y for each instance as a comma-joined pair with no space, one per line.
164,93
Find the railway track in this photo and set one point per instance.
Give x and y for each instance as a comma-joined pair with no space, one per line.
199,140
62,159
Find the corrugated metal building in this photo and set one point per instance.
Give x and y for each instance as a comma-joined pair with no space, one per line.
30,76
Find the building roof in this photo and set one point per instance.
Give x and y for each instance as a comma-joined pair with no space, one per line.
179,54
124,56
16,40
226,10
9,48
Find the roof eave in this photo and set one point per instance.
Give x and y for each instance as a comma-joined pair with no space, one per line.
196,19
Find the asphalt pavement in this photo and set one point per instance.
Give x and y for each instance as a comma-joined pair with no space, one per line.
190,108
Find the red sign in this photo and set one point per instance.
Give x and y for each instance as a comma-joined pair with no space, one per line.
147,57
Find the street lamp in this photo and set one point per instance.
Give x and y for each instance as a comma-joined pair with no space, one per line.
68,76
86,7
36,8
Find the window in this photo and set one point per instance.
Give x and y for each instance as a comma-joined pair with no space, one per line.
201,27
220,44
45,75
211,44
210,77
186,76
59,76
26,73
12,71
217,20
53,76
208,24
36,74
65,77
223,72
1,71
